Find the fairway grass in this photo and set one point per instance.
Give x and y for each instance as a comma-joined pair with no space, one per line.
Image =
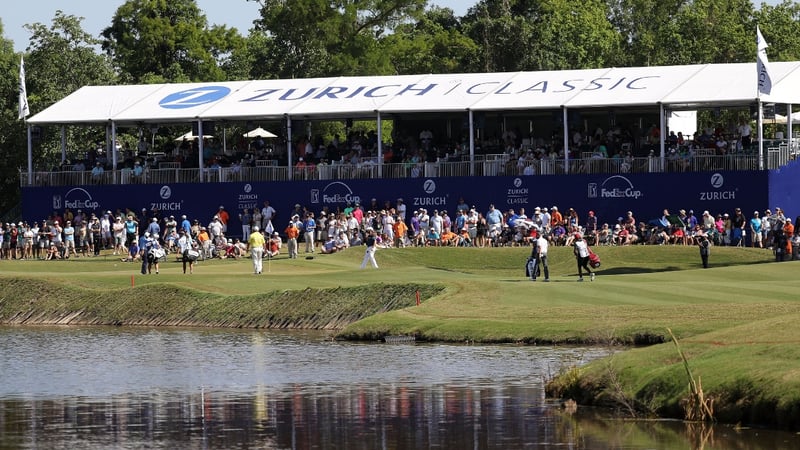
735,321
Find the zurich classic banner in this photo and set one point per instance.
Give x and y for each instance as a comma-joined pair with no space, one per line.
609,195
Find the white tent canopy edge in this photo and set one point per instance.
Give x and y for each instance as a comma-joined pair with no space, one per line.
374,96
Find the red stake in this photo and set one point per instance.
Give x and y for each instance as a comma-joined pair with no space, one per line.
417,297
132,283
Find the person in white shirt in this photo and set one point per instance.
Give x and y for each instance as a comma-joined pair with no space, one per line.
542,245
581,251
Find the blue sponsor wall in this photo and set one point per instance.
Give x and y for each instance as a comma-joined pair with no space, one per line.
610,196
784,189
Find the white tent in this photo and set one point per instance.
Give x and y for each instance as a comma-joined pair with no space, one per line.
676,87
259,132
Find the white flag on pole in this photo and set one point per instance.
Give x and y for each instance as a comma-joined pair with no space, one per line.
764,78
24,111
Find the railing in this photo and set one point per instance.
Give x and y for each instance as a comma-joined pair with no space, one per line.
487,165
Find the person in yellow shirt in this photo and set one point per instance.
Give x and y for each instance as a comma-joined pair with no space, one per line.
255,244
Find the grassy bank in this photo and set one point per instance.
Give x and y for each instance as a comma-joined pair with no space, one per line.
734,321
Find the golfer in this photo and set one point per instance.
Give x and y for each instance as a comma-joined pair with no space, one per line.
255,243
369,254
705,250
542,245
581,251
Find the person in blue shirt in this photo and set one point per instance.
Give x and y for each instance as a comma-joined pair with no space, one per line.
186,226
309,226
131,226
154,228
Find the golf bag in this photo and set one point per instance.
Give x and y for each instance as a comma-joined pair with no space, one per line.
530,266
594,260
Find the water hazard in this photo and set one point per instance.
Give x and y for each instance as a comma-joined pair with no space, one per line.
97,388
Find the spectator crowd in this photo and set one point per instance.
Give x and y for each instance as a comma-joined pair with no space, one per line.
126,233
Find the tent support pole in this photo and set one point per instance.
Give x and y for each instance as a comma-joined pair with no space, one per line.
471,145
380,144
760,135
662,133
113,149
200,149
30,155
789,130
289,147
63,143
565,126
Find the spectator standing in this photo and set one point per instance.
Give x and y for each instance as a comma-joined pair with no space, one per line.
292,232
310,227
268,215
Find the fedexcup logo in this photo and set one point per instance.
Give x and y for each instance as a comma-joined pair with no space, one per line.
165,192
429,186
194,97
615,186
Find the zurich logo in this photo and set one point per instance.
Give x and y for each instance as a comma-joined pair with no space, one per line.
165,192
429,186
717,180
194,97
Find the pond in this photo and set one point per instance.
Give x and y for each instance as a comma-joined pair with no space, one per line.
98,388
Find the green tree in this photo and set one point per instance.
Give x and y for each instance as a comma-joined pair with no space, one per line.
714,31
433,44
312,38
61,59
541,34
12,131
167,41
780,25
647,30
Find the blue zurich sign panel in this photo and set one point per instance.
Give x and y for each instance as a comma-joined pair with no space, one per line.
194,97
608,195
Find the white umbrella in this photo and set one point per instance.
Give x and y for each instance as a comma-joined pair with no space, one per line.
259,132
190,137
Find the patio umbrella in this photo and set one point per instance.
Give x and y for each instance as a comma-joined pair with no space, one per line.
259,132
190,137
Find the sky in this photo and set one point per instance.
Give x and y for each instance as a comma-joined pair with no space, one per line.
97,14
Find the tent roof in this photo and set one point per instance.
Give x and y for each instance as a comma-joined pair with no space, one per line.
351,97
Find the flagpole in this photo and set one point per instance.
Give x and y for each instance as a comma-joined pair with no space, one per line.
760,134
30,155
24,111
764,85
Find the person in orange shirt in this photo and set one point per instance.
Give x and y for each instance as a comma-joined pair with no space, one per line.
400,232
205,242
449,238
555,217
223,218
788,230
292,232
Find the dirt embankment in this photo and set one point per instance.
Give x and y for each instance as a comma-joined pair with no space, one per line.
36,302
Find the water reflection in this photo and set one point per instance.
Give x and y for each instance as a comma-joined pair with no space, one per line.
111,388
